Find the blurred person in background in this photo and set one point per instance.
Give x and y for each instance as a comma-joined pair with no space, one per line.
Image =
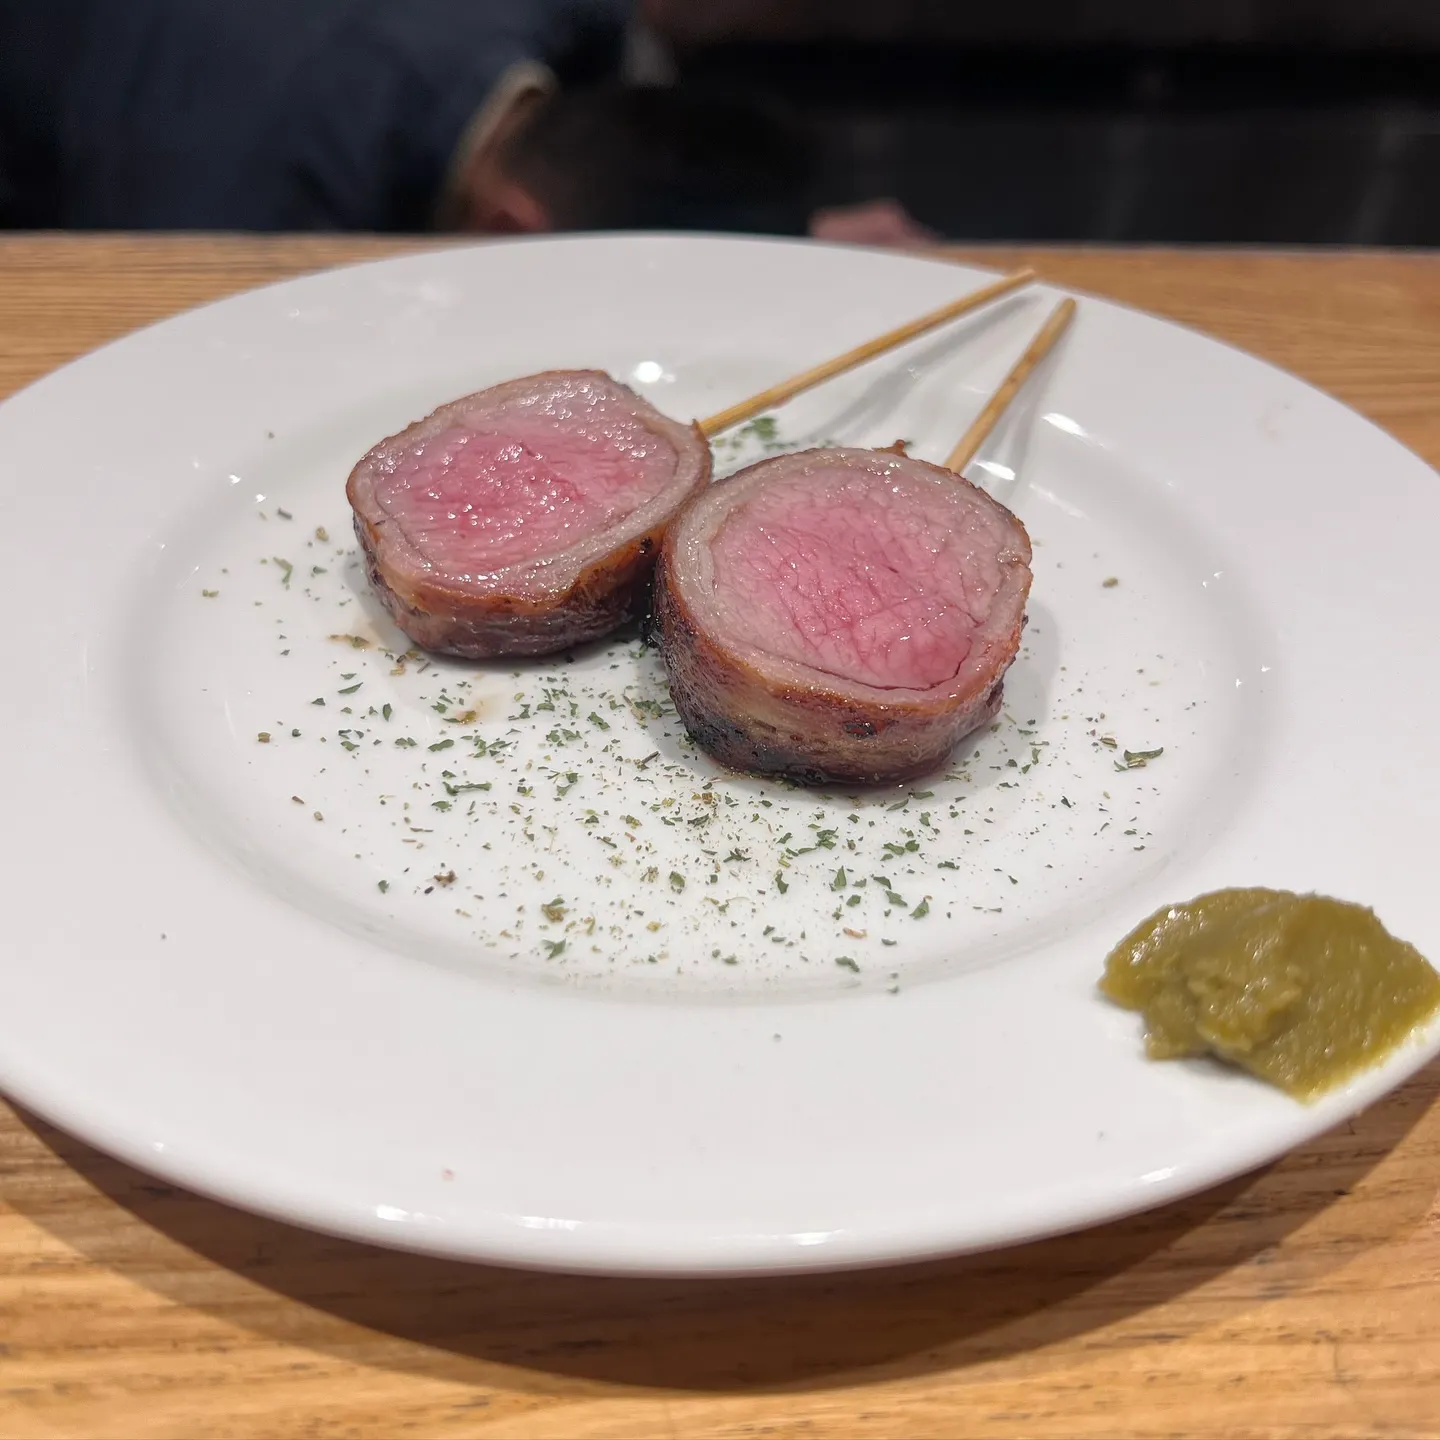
488,116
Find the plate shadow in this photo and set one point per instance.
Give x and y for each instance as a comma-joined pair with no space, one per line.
463,1320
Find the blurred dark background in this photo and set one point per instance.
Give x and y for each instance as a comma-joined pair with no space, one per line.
1278,122
1289,122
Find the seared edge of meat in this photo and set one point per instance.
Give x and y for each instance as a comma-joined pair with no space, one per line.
606,595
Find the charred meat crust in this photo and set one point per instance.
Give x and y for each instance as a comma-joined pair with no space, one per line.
604,595
810,733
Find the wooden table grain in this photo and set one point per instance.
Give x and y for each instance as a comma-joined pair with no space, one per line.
1302,1301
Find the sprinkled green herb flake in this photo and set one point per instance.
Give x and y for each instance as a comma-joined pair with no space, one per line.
840,881
285,569
387,710
553,948
351,689
555,910
781,884
921,910
1138,759
382,886
846,963
440,745
597,722
209,594
263,737
677,881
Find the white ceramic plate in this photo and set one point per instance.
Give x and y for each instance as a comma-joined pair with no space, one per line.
322,975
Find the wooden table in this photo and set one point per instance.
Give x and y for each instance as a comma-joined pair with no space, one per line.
1303,1301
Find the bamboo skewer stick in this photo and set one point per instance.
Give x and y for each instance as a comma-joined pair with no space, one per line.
796,384
997,404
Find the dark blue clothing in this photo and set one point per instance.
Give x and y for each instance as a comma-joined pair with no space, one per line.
261,114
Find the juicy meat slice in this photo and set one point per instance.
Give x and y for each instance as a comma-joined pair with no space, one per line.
526,518
866,582
840,615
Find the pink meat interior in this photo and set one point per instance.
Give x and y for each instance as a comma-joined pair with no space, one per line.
518,486
879,580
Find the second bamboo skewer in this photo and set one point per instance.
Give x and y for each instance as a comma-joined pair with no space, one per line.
788,389
995,407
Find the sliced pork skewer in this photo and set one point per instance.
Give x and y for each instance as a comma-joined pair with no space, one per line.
842,615
525,519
